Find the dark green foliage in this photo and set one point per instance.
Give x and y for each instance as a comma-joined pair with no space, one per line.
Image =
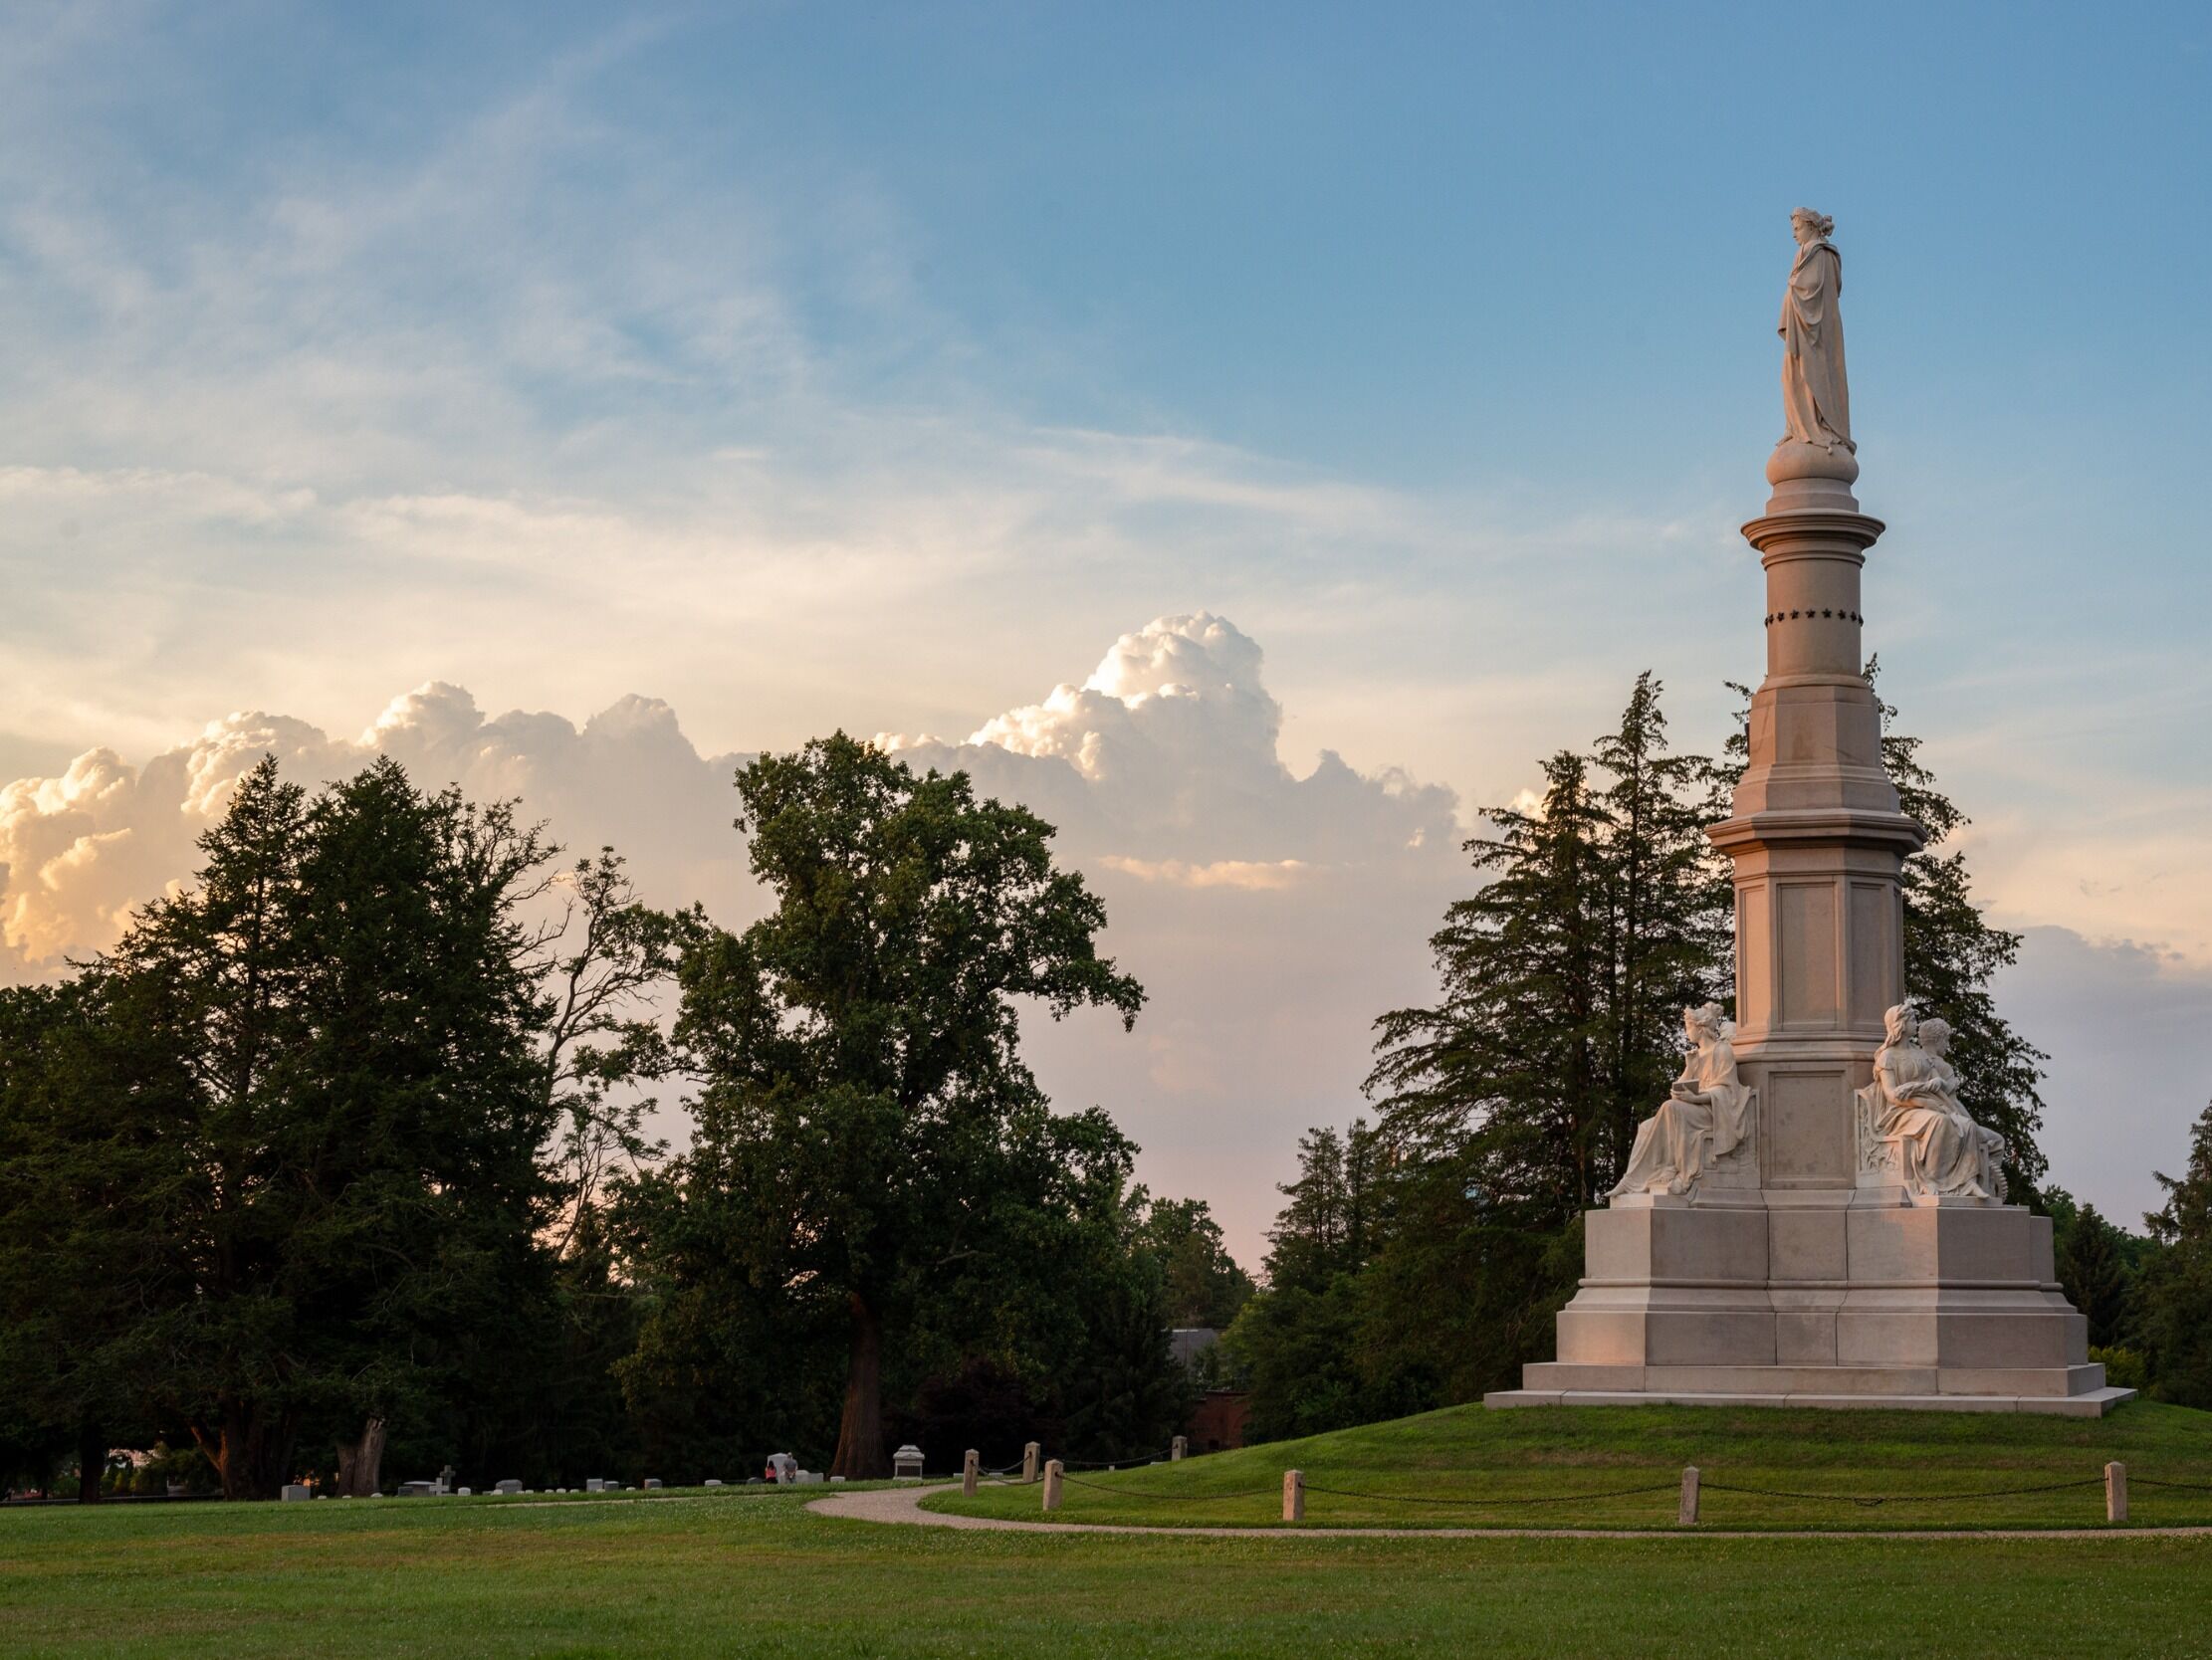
1564,978
2096,1265
1204,1284
293,1149
2176,1283
876,1179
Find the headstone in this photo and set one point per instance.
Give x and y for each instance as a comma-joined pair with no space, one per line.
809,1478
906,1463
711,1482
295,1491
595,1485
467,1492
837,1478
509,1487
651,1482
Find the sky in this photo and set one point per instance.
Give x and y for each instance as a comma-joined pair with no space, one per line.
1254,434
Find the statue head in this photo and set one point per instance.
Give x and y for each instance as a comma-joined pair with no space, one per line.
1935,1036
1899,1023
1705,1023
1808,226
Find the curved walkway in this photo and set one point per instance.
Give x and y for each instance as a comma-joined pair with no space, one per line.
903,1504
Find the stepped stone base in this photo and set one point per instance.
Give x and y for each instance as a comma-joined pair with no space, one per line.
1829,1298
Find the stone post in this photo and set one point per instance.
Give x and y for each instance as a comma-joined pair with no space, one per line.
2116,1492
1030,1461
971,1468
1052,1485
1688,1516
1294,1494
1177,1448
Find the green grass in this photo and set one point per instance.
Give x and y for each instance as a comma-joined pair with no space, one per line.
1465,1455
737,1574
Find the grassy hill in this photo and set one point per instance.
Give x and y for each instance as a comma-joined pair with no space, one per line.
752,1572
1532,1467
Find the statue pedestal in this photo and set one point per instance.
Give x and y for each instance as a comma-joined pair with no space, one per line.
1862,1297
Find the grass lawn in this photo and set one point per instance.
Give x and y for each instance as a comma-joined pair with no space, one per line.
1465,1455
753,1574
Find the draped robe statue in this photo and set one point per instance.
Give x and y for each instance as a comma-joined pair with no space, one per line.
1706,1115
1816,401
1941,1151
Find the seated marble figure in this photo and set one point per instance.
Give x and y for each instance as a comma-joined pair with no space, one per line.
1706,1117
1922,1138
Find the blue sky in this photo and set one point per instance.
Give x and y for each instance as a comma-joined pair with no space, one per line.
880,366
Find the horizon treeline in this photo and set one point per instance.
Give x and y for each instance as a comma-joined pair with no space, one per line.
339,1163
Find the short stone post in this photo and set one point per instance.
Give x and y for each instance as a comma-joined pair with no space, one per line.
1030,1461
1688,1515
1052,1485
1177,1448
971,1468
1294,1494
2116,1492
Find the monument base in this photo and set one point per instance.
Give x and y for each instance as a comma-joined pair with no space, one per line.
1865,1297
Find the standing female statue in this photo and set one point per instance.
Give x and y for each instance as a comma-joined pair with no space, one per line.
1706,1115
1815,402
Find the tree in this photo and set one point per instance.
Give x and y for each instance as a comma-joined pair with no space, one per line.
1951,953
1333,1223
1564,977
345,995
1204,1284
77,1259
861,1090
2093,1268
2176,1283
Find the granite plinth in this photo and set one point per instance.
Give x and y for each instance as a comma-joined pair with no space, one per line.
1866,1297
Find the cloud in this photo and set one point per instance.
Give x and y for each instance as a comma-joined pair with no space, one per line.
80,851
1270,915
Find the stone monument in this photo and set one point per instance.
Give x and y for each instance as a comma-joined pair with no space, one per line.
1811,1218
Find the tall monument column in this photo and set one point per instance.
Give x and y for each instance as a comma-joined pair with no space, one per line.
1812,1217
1816,835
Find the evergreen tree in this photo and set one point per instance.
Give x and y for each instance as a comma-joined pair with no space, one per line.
2177,1285
1334,1221
1203,1285
1565,977
1951,953
2094,1270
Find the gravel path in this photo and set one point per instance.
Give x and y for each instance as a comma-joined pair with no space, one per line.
903,1504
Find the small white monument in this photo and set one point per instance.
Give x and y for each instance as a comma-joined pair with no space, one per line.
1812,1219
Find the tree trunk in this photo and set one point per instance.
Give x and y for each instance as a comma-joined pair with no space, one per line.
360,1464
91,1462
861,1454
252,1453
